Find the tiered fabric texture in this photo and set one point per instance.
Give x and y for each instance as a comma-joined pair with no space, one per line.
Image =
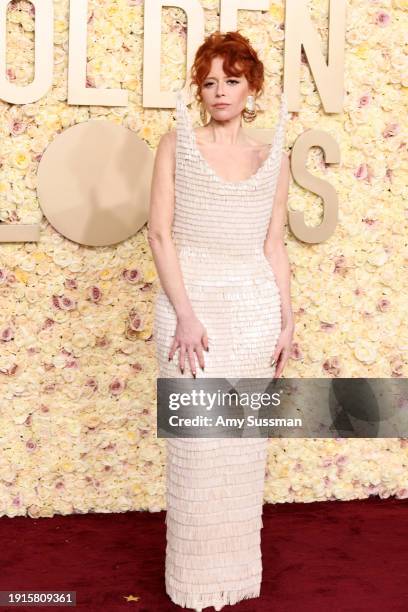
215,486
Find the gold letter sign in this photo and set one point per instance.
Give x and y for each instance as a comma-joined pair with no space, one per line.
94,178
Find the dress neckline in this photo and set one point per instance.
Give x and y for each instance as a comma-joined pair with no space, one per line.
210,170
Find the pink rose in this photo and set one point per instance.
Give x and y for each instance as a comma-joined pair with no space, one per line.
391,129
296,352
63,302
135,320
383,305
332,366
132,276
71,283
92,383
7,334
17,127
95,294
364,100
31,445
362,172
117,386
382,19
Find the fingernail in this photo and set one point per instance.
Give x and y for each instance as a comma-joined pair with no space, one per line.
169,358
182,370
194,374
273,362
202,369
207,349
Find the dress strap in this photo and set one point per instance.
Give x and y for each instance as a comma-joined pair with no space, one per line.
280,132
279,136
183,124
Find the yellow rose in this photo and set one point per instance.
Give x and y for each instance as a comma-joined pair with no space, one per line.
150,273
400,4
20,160
276,12
362,50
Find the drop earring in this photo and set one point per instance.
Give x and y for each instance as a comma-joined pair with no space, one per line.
249,112
203,114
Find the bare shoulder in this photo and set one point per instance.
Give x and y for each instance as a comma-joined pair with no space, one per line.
166,150
165,156
168,140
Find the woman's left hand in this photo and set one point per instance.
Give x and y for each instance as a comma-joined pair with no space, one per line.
283,349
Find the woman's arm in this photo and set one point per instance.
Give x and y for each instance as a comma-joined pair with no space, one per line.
276,254
161,213
190,335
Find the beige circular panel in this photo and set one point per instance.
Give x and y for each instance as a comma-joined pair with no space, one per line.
94,183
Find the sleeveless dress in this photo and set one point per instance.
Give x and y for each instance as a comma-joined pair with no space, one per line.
215,485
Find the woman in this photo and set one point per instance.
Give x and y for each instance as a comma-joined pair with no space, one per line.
217,214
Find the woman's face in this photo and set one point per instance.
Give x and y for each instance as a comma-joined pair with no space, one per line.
219,88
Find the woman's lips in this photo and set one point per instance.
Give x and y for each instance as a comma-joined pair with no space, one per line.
220,105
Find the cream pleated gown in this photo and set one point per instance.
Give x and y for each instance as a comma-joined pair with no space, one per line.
215,486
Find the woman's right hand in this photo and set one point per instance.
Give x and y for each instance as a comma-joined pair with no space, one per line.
190,337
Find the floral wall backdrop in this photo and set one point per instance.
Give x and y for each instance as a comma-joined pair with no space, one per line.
77,358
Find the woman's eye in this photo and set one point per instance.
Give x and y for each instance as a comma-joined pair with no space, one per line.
206,85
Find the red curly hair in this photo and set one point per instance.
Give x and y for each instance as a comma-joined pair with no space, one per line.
240,58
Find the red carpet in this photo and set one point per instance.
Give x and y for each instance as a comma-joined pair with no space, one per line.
335,556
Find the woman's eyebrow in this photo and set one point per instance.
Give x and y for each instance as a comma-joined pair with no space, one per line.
215,78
